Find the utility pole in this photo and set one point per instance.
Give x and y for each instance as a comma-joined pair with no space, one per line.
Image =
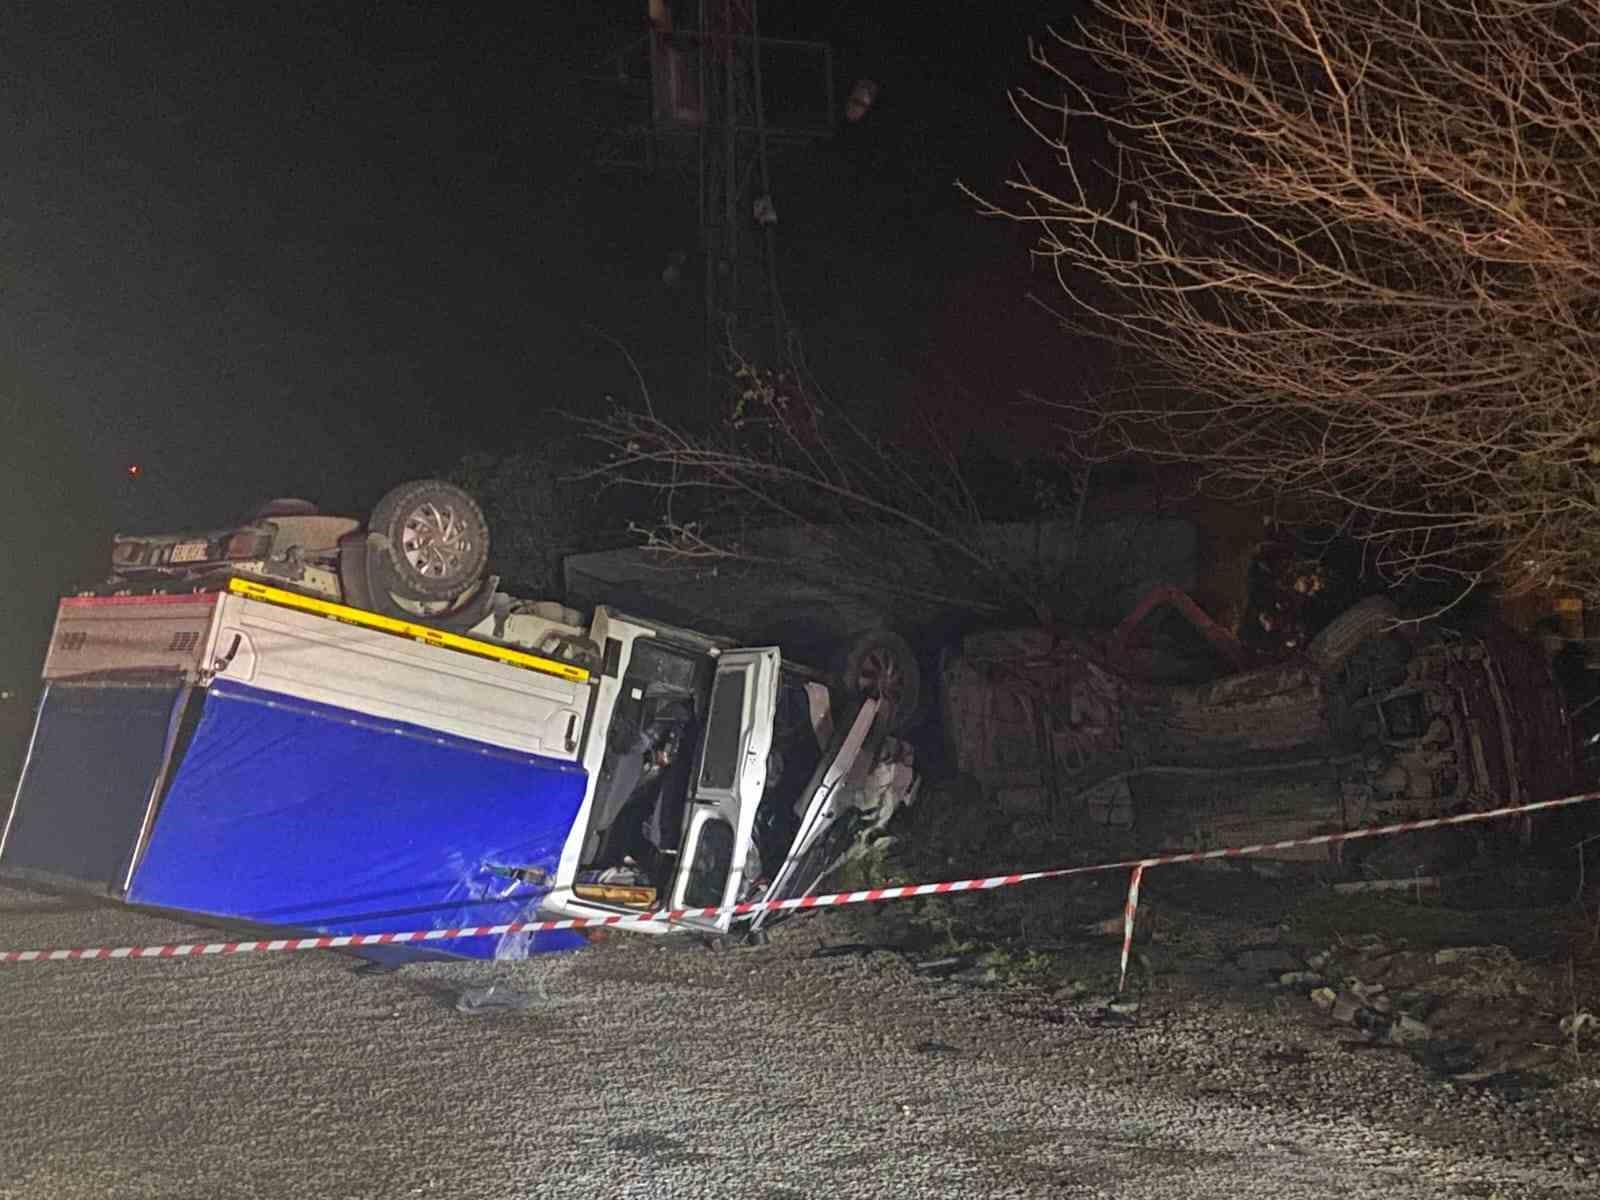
738,217
707,100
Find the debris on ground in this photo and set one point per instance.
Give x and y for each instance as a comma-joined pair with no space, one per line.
1579,1023
493,998
1301,980
1464,989
941,968
1456,954
1472,1012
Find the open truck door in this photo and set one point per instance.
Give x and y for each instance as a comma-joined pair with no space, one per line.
729,778
864,776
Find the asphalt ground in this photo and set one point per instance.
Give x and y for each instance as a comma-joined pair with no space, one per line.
644,1069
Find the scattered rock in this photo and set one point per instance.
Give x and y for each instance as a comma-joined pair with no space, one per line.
1301,979
1407,1030
1114,1012
1073,989
1455,954
1577,1023
1324,998
1346,1006
1417,1004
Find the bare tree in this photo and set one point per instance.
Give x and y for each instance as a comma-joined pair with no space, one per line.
1361,241
791,485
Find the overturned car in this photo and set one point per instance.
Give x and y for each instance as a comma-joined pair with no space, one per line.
1377,720
314,726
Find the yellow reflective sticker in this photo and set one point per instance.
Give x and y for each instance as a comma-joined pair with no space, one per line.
253,590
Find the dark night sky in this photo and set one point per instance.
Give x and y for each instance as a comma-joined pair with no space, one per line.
313,249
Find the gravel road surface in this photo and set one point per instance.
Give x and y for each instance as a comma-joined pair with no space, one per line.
645,1070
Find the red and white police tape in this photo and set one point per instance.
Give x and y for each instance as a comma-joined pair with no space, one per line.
1127,923
835,899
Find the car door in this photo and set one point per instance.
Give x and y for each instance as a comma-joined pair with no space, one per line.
729,778
824,834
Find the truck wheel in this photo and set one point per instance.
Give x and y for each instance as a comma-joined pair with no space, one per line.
433,539
881,666
1330,648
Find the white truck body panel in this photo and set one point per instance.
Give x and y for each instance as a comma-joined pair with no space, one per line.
314,658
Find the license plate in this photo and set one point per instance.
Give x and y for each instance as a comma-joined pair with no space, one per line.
189,552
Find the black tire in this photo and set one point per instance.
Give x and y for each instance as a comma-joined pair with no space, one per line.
384,595
433,540
1365,619
883,667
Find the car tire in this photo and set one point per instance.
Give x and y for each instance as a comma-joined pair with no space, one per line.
882,666
433,540
1367,618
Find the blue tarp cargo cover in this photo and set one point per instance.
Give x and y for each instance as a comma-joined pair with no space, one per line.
296,814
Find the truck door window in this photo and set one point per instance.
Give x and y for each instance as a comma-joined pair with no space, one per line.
719,763
710,864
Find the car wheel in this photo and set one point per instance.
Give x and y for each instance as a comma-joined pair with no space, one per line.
881,666
433,539
1330,648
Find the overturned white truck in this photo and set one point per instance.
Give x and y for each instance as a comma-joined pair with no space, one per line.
221,733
